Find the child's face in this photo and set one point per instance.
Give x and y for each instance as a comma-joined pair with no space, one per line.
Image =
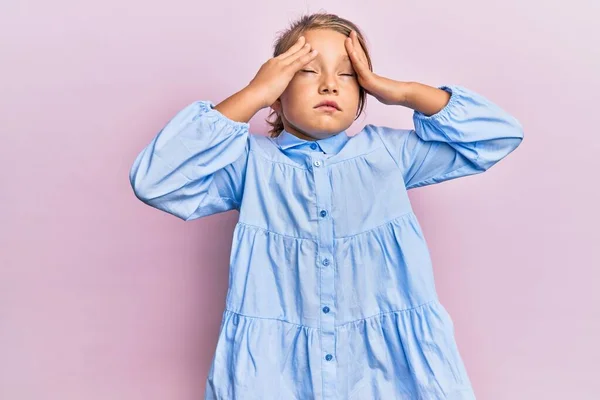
332,78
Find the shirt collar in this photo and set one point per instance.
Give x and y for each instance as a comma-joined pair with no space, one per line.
330,145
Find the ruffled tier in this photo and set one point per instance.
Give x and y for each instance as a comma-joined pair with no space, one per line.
406,354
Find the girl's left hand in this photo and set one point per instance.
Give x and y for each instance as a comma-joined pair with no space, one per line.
383,89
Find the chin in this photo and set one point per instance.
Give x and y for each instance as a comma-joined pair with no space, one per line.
325,128
321,131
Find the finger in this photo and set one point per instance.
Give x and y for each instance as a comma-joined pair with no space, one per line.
357,63
349,46
351,49
303,60
300,53
358,47
292,50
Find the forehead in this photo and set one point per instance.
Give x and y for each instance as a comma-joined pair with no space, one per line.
329,43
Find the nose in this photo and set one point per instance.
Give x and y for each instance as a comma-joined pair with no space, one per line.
329,85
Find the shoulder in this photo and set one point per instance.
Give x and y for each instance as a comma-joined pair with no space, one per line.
384,132
265,148
261,144
386,136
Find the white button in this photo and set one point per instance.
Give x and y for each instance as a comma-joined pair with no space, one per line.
317,163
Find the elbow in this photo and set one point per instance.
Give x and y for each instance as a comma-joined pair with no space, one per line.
510,135
514,140
140,186
138,179
516,143
505,146
516,135
150,194
511,144
140,190
148,190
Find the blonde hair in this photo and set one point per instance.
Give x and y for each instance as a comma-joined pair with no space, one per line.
288,37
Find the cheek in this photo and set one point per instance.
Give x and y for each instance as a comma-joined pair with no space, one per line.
353,90
292,102
294,95
350,86
353,83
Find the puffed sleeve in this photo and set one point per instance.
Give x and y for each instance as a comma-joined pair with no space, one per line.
195,166
466,137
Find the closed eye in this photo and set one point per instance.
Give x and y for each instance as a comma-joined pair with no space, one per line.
314,72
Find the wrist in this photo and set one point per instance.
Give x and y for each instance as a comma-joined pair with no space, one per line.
403,93
256,95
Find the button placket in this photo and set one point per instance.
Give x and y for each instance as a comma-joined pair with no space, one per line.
326,274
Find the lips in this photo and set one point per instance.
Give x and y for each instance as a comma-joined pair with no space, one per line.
328,104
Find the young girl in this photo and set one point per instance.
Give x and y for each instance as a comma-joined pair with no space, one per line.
331,291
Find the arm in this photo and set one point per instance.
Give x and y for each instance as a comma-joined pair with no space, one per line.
425,99
195,166
241,106
456,134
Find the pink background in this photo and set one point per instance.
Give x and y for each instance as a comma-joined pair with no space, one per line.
102,297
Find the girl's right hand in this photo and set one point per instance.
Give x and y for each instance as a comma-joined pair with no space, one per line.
274,75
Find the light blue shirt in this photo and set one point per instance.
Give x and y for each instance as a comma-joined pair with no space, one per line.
331,289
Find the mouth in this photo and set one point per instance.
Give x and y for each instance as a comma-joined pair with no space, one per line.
328,105
327,108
